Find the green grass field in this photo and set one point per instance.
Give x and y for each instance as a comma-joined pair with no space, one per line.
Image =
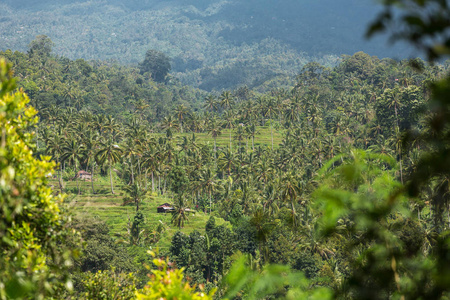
108,207
263,138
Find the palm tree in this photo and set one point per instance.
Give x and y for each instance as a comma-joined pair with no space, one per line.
181,112
229,122
55,149
111,126
239,135
110,152
260,220
271,109
179,214
210,103
72,151
227,161
136,192
131,152
252,132
90,140
149,162
226,100
209,183
169,123
290,191
215,130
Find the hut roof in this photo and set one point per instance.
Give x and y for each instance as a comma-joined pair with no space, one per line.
82,172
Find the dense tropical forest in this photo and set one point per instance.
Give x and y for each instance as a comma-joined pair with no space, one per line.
121,182
213,44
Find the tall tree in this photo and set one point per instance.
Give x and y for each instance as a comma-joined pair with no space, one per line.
72,151
109,152
157,64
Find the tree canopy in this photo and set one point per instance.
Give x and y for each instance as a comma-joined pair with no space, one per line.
157,64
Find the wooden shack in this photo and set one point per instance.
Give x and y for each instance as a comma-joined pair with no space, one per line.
83,175
166,207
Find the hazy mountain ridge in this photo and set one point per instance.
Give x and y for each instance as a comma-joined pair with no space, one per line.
203,38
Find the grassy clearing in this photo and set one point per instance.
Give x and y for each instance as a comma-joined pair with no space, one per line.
263,138
108,207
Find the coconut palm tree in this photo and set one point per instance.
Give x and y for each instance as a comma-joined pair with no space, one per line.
210,103
215,129
109,152
90,140
252,131
136,192
226,100
55,149
169,124
209,183
227,161
271,110
181,112
228,118
72,151
179,213
290,191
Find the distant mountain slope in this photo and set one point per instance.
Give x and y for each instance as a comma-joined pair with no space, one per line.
214,44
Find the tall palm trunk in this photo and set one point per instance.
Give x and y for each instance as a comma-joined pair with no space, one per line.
271,132
165,180
132,170
92,178
230,139
76,178
153,183
110,178
61,183
139,167
293,212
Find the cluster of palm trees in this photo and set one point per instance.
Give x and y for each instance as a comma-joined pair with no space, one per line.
318,122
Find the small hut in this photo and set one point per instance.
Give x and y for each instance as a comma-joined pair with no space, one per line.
83,175
164,208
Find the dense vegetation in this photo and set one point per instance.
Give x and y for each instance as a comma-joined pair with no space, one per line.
336,187
212,44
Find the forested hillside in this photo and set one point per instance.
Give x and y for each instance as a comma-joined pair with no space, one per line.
256,168
118,181
212,44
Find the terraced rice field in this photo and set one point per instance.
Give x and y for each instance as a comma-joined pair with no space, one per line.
263,138
108,207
